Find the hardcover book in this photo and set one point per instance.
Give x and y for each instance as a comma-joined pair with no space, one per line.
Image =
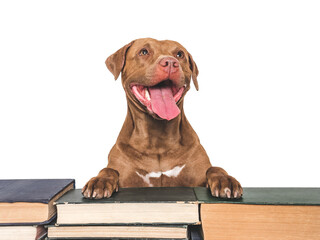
130,206
262,213
30,201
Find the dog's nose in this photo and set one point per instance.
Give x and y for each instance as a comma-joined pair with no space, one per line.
169,64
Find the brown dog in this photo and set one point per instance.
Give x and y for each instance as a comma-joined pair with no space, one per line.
157,146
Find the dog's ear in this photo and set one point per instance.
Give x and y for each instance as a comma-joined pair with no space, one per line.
195,71
116,61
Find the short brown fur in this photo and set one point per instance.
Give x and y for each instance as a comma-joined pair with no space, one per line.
148,144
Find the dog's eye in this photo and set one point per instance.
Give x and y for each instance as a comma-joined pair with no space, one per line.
180,54
143,52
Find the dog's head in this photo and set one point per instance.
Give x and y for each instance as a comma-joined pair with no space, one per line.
155,75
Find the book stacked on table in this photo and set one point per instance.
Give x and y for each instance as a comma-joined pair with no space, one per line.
26,205
146,213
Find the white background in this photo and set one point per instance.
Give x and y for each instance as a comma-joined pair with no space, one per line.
257,112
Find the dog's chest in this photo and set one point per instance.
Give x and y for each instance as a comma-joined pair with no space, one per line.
153,179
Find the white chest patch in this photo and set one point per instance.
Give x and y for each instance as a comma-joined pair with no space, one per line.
174,172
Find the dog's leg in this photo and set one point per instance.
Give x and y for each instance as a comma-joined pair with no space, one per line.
103,185
223,185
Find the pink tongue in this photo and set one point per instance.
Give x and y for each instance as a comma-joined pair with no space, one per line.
163,103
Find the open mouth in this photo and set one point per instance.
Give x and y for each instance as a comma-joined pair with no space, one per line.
160,99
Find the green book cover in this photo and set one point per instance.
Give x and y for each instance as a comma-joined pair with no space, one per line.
266,196
135,195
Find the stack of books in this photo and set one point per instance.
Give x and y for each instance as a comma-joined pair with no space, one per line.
26,205
146,213
28,209
173,213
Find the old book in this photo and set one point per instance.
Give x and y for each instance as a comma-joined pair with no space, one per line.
30,201
22,232
123,231
262,213
130,205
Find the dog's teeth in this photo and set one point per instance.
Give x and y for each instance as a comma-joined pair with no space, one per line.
147,94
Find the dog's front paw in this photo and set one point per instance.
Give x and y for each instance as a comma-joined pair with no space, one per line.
223,185
101,186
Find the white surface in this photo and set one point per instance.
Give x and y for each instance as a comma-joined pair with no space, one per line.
257,112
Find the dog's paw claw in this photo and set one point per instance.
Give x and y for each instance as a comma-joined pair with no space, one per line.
216,192
227,192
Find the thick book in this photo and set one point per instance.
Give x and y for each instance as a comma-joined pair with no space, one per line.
262,213
30,201
121,231
130,206
22,232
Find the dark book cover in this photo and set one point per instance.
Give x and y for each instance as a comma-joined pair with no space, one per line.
195,232
266,196
31,190
133,195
